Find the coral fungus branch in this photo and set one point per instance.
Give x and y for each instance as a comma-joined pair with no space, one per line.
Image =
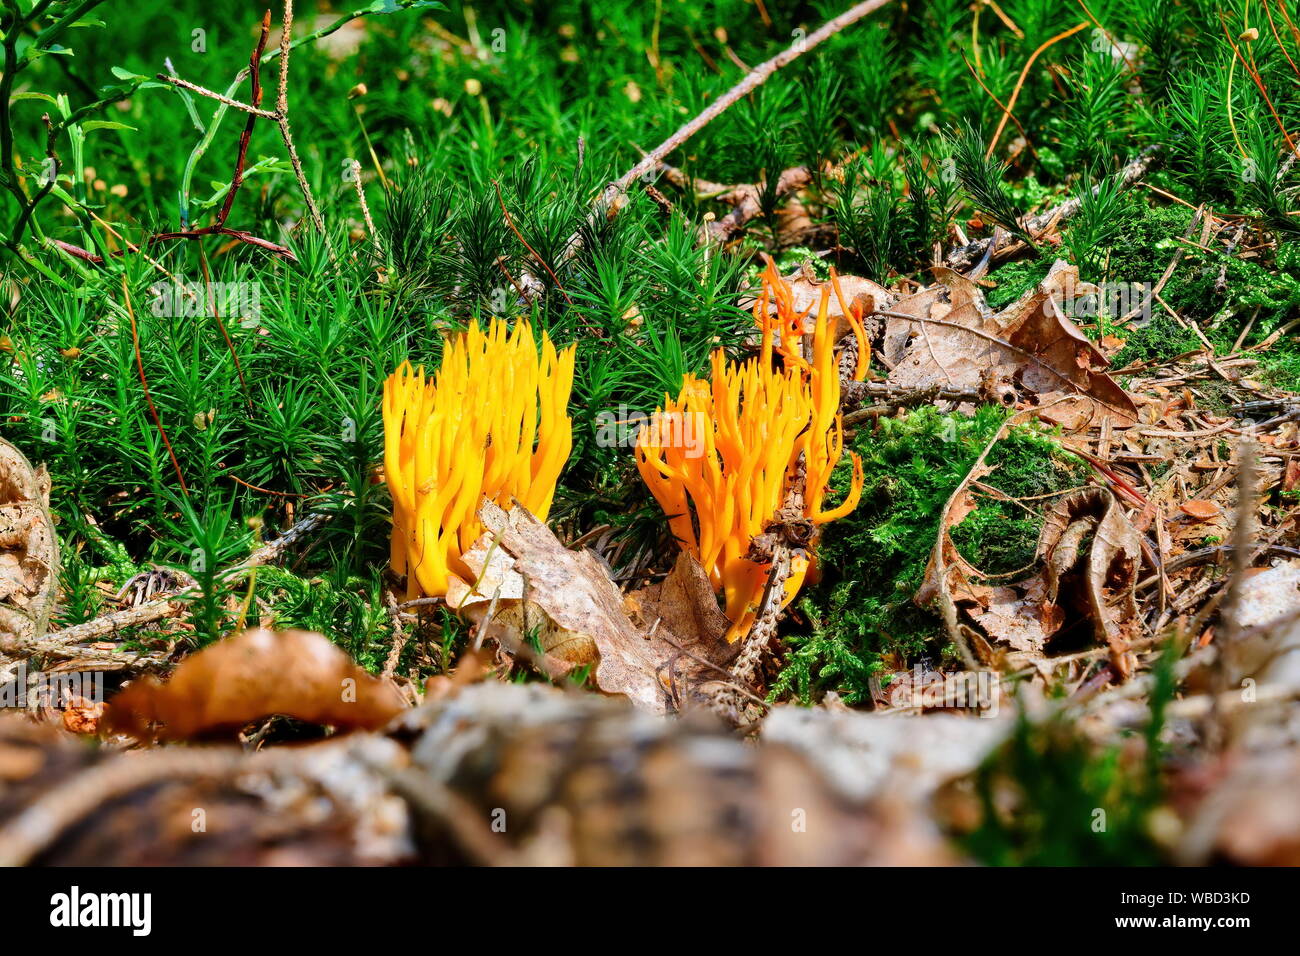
491,423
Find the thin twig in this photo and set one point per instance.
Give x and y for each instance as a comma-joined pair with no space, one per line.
282,119
163,606
214,95
756,78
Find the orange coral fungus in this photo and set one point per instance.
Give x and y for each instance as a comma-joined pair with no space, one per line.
492,422
784,326
854,316
785,322
761,438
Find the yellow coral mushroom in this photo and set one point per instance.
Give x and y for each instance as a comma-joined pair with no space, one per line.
761,438
492,422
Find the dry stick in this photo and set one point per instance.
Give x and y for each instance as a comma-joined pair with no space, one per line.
255,81
214,95
756,78
400,637
282,119
968,253
1242,547
161,608
1209,554
218,228
725,675
1015,93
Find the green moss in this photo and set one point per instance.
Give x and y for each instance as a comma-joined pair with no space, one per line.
1051,797
874,560
1000,537
351,612
1157,341
1149,238
1281,367
1015,279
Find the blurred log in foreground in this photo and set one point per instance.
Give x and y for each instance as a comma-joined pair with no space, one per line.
496,774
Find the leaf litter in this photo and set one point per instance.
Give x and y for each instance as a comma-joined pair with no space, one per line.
1138,555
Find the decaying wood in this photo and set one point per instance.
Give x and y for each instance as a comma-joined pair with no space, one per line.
964,257
566,779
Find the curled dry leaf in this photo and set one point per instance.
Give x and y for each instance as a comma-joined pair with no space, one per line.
82,716
1089,555
1109,570
528,581
1030,346
256,674
29,555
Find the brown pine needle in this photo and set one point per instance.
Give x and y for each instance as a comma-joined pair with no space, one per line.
1020,83
144,383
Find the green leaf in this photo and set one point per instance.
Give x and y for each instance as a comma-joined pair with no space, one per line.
394,6
104,124
33,95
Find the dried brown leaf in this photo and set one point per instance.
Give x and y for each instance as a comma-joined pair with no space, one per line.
1017,620
1200,510
29,557
1109,571
570,597
252,675
1030,344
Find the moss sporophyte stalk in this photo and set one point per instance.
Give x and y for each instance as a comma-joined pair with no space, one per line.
771,437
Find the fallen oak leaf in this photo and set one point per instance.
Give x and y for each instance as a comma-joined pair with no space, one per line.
1110,572
1022,616
496,602
945,335
253,675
